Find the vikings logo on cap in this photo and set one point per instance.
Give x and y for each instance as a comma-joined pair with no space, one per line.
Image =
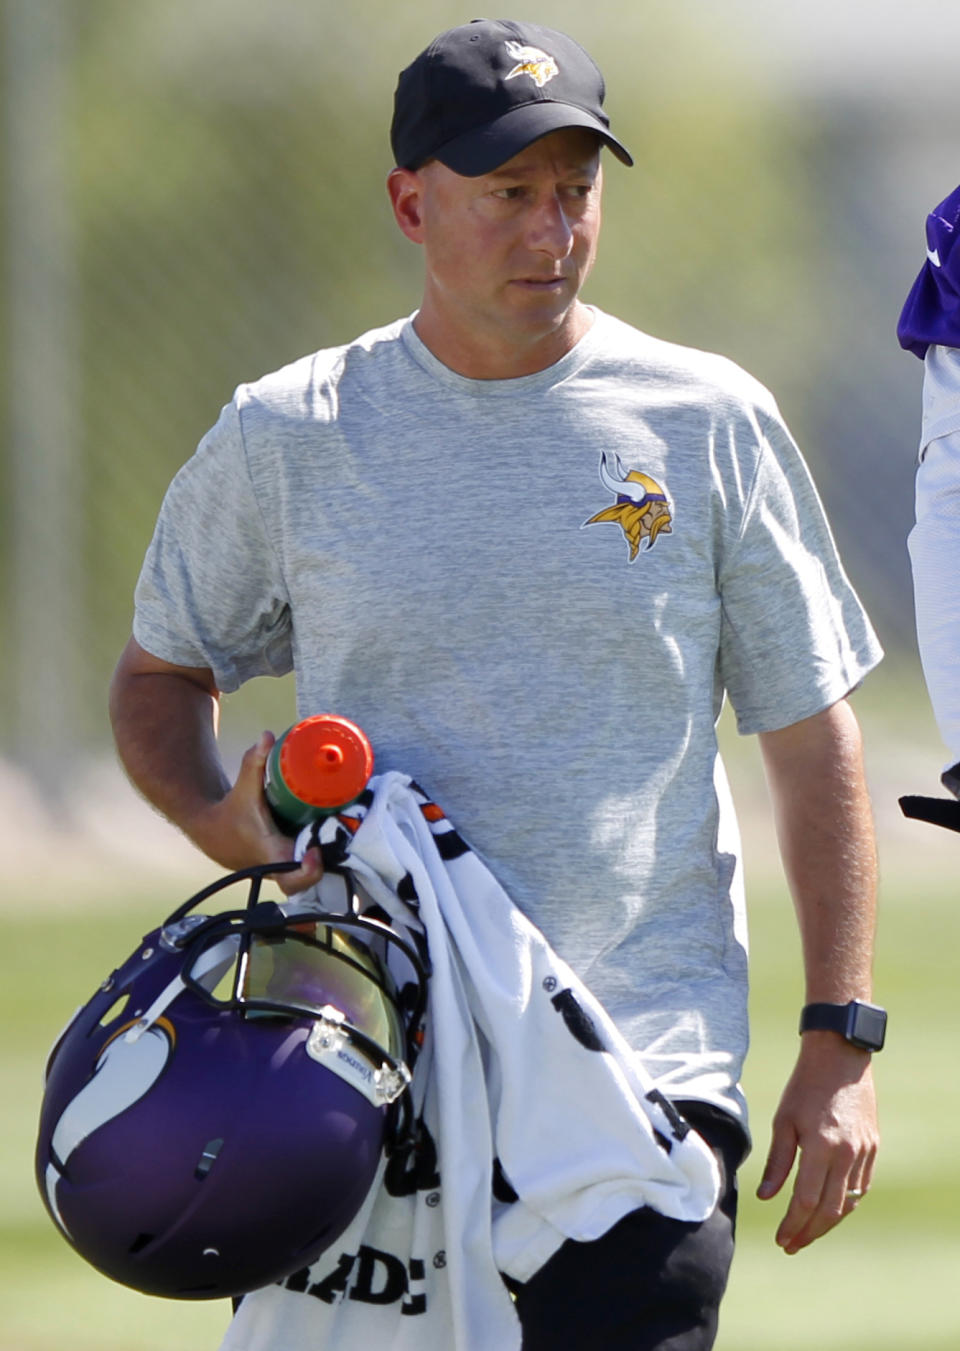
641,510
533,62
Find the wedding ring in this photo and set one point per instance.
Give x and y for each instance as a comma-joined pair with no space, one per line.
854,1194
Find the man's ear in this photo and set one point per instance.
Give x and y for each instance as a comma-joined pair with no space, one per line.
405,188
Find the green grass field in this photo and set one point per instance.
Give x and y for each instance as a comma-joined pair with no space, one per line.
886,1280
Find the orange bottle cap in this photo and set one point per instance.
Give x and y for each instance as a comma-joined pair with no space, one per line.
326,761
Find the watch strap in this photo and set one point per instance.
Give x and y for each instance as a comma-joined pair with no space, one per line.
863,1025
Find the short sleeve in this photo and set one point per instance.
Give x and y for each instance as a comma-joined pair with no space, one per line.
794,636
211,592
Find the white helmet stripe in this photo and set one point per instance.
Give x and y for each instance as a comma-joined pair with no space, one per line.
123,1075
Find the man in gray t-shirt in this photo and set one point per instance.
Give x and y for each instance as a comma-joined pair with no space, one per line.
530,550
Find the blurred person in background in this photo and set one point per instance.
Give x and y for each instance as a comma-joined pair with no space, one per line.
929,327
530,549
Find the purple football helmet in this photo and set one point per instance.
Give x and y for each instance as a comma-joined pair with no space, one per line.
213,1118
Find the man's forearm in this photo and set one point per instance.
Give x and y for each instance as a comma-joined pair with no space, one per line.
165,728
826,835
827,1114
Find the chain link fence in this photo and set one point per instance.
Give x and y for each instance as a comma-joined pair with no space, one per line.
193,195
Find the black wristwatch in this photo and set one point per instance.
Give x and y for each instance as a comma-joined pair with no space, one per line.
863,1025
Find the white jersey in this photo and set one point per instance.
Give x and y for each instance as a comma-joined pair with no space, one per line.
934,542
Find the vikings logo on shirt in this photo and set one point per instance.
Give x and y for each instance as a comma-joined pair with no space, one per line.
641,510
533,62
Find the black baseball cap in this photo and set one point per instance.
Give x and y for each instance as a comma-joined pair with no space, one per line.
481,93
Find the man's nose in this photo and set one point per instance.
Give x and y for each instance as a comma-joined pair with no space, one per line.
550,230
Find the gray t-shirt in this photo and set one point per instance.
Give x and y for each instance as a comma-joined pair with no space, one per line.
532,595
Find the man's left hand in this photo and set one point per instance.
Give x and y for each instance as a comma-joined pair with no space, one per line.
828,1115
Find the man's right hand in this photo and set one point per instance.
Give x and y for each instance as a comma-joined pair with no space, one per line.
164,721
239,829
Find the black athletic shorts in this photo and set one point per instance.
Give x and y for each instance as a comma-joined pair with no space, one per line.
650,1283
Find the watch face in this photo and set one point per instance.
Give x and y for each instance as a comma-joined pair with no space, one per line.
868,1026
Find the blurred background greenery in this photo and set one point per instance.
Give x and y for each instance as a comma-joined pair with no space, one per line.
192,194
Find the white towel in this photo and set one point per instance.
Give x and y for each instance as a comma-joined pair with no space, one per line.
524,1082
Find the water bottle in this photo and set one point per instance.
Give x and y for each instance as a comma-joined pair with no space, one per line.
318,767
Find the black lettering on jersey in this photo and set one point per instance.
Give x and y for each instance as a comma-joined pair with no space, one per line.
369,1277
336,1283
298,1282
578,1021
413,1169
415,1303
381,1277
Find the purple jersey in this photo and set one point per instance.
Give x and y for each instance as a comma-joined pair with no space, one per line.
931,315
